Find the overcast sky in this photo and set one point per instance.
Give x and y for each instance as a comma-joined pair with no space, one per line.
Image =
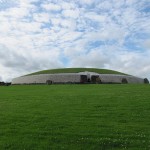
46,34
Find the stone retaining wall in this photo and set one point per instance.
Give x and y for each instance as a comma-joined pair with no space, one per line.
43,78
74,78
112,78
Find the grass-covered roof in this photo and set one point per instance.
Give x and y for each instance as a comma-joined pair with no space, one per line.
76,70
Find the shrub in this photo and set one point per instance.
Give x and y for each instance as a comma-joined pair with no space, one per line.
146,81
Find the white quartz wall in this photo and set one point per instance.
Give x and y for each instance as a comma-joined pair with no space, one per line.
41,79
73,77
112,78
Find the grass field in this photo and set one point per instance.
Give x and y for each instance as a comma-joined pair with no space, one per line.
76,70
75,117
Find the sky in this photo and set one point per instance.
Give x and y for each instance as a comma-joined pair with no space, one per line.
45,34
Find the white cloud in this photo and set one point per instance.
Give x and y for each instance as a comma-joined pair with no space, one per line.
105,5
71,13
18,62
41,17
38,35
116,59
88,2
71,36
68,5
95,58
63,23
147,44
1,79
96,17
51,7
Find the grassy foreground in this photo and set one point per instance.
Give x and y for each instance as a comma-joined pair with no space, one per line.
75,117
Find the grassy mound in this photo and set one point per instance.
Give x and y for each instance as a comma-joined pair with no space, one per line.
76,70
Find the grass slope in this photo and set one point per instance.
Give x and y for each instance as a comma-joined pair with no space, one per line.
75,117
76,70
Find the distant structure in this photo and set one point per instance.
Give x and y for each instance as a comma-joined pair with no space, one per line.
5,83
76,78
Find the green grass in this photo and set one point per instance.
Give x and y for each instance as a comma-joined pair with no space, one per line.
75,117
76,70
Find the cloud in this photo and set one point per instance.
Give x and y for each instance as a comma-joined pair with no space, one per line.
121,60
1,79
36,35
95,58
71,13
87,2
147,44
22,63
41,17
51,7
6,4
96,17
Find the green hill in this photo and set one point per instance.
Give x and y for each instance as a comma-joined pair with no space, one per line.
76,70
75,117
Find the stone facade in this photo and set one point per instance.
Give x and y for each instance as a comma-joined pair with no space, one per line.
82,77
44,78
112,78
